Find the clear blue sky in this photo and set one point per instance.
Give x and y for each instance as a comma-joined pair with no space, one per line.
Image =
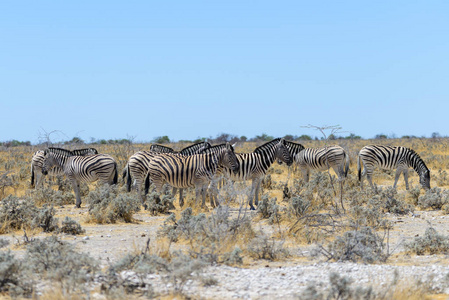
189,69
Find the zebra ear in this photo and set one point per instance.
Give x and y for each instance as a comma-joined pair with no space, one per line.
233,145
282,141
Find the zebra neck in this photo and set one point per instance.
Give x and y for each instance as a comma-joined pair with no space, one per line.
415,162
267,157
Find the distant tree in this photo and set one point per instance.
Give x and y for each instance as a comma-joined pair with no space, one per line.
15,143
352,136
161,140
263,137
380,136
436,135
75,140
305,137
290,137
243,138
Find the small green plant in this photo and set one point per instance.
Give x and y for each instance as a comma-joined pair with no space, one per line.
15,278
45,219
264,247
16,213
71,226
434,198
107,205
49,196
57,261
269,209
357,245
159,204
431,243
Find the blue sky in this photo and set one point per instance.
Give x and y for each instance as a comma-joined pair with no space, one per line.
189,69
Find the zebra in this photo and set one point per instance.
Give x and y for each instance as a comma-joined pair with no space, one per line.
137,166
322,159
38,159
81,168
388,157
190,171
190,150
293,148
161,149
254,166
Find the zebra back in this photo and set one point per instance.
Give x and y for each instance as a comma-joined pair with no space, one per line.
161,149
85,151
58,151
195,148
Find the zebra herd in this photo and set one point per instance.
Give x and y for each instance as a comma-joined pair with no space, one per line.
203,166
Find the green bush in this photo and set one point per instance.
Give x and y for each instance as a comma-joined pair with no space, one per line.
71,226
107,205
15,278
431,243
57,261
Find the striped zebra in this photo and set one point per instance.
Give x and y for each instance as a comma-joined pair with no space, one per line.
190,171
161,149
321,159
293,149
38,159
254,166
387,157
81,168
137,167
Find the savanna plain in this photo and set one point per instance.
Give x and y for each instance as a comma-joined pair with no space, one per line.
314,240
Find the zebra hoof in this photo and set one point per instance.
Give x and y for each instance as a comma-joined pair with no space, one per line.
252,208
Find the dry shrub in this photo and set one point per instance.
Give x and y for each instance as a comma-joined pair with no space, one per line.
209,238
108,205
431,243
57,261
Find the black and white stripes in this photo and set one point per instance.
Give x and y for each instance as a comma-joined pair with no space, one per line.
387,157
81,168
320,159
189,171
38,160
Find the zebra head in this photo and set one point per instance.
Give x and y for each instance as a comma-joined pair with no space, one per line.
229,159
424,179
49,162
282,153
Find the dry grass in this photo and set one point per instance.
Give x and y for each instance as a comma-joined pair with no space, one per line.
435,152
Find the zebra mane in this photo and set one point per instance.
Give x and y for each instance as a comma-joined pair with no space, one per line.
84,151
267,145
417,157
59,151
195,148
216,148
161,149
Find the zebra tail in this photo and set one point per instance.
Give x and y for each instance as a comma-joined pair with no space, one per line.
359,167
32,176
115,180
347,164
128,179
147,183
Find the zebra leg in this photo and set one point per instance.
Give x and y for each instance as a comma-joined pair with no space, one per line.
213,193
76,189
181,199
396,176
369,178
256,192
406,178
40,179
